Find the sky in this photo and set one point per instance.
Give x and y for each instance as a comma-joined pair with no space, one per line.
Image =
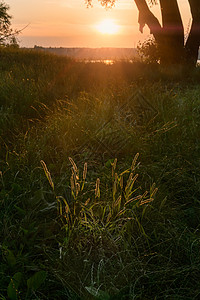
69,23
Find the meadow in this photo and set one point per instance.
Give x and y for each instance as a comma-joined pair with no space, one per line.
99,179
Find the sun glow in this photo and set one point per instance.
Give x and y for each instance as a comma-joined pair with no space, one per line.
107,26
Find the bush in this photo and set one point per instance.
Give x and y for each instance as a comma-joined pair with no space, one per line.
149,51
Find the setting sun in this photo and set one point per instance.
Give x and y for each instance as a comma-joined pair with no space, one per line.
107,26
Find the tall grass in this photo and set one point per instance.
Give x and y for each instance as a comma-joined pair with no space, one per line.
101,212
92,231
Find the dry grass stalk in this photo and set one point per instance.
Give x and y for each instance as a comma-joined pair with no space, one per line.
146,201
115,185
121,182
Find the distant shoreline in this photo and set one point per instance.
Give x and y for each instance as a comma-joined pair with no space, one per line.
104,53
93,54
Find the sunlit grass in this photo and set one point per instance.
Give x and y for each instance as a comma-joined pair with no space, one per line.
85,226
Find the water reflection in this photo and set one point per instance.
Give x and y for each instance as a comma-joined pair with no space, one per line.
106,61
112,61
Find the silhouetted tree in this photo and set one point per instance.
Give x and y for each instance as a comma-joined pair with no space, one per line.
169,35
7,35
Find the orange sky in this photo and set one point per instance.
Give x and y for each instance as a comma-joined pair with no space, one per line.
68,23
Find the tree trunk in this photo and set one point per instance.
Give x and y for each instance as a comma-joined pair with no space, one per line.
193,41
172,48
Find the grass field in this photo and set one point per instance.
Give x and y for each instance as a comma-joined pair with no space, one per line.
99,179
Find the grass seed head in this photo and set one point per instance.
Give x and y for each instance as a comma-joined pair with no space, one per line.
85,171
97,188
77,188
114,167
73,165
72,183
47,173
134,162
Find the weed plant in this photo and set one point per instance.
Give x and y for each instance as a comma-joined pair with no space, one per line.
93,232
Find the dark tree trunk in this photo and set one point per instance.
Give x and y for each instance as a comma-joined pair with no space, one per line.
173,33
193,41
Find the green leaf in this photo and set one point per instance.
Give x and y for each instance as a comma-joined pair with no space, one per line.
16,188
20,210
109,162
10,258
99,294
36,280
12,289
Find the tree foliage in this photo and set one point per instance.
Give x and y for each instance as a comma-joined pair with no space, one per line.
111,3
104,3
149,51
7,35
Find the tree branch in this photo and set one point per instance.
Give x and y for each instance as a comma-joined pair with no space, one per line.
147,17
